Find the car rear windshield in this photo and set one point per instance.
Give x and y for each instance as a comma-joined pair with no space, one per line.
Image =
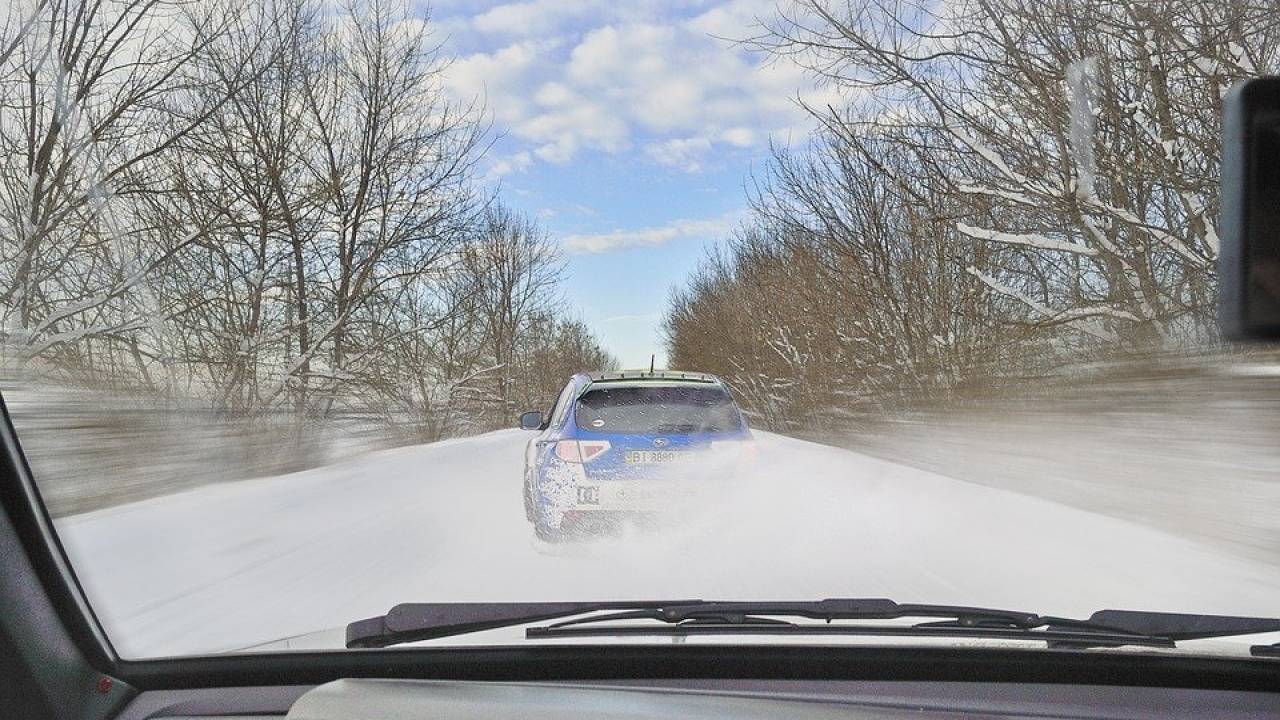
662,409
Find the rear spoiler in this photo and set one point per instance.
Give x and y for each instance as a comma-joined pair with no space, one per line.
634,375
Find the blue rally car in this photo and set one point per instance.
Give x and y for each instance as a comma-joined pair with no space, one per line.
627,446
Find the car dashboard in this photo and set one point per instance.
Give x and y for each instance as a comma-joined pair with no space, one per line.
374,699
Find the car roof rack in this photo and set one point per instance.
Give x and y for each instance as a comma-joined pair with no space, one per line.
634,375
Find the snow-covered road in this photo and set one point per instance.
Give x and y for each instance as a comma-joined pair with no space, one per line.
236,564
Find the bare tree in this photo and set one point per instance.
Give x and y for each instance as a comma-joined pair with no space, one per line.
1008,185
394,157
514,268
86,94
1084,135
266,208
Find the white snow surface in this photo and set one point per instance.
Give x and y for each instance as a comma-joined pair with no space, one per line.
232,565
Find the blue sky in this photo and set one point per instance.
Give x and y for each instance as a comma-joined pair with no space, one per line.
628,129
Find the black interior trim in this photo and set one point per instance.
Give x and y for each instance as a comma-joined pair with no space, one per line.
21,500
631,662
54,658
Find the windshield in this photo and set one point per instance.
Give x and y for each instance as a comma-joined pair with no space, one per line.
657,410
309,308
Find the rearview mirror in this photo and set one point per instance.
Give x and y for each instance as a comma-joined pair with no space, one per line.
1249,257
531,420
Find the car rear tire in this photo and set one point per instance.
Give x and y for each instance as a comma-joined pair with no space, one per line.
528,498
548,534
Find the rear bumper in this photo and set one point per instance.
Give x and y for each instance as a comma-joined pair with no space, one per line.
636,496
606,507
614,492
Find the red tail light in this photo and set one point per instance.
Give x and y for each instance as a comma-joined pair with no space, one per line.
567,450
592,449
580,452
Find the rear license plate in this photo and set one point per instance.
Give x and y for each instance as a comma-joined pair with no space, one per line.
656,457
640,496
637,496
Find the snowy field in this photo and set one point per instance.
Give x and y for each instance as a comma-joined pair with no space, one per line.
232,565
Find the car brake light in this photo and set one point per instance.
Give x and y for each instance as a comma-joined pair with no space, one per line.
567,450
580,452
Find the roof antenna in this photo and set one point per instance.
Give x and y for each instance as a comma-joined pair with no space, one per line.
651,359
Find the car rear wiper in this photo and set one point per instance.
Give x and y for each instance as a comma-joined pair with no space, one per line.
413,622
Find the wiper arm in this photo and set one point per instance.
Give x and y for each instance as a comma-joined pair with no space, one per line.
1267,651
425,621
1184,626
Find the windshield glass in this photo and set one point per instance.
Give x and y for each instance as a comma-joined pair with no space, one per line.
674,409
313,307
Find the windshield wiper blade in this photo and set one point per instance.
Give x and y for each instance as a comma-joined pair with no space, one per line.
1054,638
1104,628
760,618
425,621
412,622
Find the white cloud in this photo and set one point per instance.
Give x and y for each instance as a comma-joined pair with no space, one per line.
683,153
516,163
560,131
496,78
573,76
737,19
739,136
687,153
708,228
535,18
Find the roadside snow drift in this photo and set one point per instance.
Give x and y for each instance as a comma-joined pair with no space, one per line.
237,564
